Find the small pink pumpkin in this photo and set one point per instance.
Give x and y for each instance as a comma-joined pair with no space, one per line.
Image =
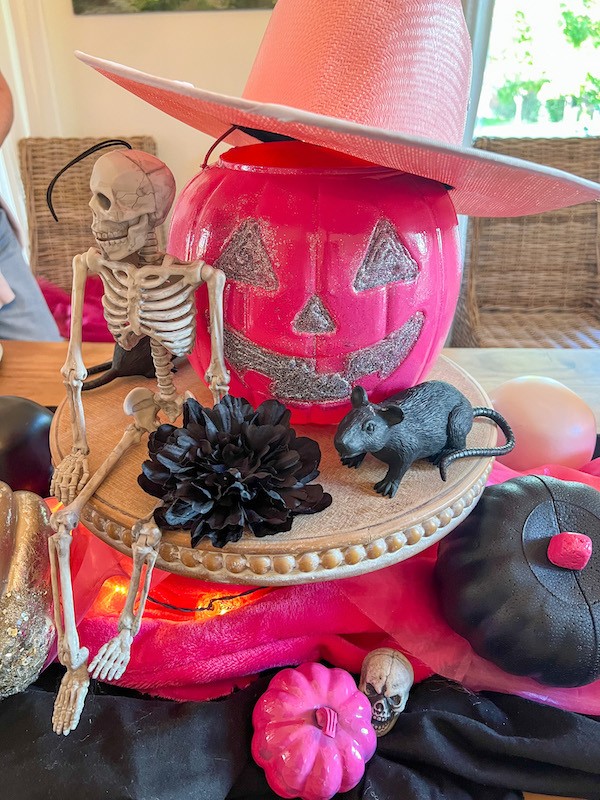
312,732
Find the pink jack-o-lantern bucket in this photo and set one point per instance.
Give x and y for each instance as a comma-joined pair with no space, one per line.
338,273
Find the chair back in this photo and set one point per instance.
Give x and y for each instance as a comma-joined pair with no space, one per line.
547,261
53,244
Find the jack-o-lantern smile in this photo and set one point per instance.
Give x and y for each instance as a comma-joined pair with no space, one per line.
297,379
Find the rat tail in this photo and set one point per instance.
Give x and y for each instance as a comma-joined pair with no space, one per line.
99,368
482,451
108,376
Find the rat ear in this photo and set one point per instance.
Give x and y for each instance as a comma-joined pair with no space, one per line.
359,397
392,414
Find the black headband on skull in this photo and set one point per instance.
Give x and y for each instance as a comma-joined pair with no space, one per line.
80,157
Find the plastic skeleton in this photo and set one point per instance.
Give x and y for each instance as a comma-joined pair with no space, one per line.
146,293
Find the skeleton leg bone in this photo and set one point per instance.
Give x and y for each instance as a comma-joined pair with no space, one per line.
74,685
72,473
113,657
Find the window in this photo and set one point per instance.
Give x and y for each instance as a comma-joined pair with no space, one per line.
542,76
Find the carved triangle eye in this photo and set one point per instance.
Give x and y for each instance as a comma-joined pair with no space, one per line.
387,260
314,318
245,259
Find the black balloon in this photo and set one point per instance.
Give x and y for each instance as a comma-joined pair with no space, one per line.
24,445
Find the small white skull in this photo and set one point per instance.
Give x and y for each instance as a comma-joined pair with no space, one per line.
132,193
386,679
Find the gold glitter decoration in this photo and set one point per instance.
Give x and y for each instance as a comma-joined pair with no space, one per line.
26,629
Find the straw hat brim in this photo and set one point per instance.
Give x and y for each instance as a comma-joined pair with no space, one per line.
484,184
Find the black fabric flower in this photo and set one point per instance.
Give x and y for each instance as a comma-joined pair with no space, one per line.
231,467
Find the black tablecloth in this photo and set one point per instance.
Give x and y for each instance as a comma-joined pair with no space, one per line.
449,744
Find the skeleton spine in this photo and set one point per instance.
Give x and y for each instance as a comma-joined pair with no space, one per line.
149,253
164,378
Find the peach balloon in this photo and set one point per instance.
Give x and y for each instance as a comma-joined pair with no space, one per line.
552,424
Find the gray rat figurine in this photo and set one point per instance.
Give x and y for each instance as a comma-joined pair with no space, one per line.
430,421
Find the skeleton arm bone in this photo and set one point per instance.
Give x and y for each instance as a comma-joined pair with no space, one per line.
217,375
73,370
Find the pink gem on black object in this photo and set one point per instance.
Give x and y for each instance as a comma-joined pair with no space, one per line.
570,550
499,590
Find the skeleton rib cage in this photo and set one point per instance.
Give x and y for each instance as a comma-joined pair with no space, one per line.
139,301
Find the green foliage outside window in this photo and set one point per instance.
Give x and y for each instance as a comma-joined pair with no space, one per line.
539,65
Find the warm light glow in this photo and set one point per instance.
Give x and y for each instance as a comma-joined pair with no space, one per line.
174,591
53,504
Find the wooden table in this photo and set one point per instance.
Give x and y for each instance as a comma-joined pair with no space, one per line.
32,369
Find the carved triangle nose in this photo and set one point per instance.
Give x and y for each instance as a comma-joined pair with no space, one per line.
314,318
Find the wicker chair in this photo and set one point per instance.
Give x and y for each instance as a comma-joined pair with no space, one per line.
53,244
535,281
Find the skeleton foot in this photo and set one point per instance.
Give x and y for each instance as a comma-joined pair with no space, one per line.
112,658
69,478
70,699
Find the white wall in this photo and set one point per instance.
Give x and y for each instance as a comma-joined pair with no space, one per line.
57,95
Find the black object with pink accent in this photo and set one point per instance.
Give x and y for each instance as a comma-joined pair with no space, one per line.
529,613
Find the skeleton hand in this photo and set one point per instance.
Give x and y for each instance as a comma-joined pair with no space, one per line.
71,697
217,377
113,657
70,476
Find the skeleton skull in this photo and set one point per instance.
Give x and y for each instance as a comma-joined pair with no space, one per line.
386,679
132,193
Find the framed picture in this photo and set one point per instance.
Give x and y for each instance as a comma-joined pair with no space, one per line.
137,6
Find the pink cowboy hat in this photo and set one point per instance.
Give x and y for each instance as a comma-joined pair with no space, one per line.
386,81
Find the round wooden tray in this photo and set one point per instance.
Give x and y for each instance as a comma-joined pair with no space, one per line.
360,532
